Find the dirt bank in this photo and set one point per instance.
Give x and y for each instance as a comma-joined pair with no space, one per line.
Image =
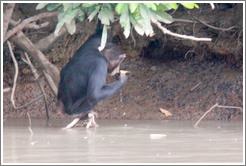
185,87
183,77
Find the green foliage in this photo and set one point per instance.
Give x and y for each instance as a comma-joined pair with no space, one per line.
190,5
138,15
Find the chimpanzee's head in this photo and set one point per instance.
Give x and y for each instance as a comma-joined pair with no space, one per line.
114,56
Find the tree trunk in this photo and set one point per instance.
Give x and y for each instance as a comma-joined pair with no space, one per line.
23,42
7,17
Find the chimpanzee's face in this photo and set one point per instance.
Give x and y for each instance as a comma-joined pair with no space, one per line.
114,65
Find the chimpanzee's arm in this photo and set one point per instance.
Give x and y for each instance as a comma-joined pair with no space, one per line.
97,89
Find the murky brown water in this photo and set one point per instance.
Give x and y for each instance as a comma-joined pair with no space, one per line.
123,141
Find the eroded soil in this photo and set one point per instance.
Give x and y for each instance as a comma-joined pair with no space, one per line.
186,87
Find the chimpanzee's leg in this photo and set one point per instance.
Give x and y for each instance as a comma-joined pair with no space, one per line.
91,121
73,123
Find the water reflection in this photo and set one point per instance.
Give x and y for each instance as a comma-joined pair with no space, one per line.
122,141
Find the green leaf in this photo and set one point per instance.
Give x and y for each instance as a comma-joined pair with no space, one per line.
104,38
71,28
145,13
174,5
41,6
76,5
60,16
121,7
89,10
164,7
103,16
125,23
109,11
127,28
88,4
188,5
138,28
70,14
81,16
162,16
67,6
133,7
53,6
151,5
94,13
58,27
196,6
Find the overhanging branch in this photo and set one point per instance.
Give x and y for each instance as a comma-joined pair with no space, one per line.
166,31
26,22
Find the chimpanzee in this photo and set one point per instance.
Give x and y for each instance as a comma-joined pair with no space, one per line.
83,80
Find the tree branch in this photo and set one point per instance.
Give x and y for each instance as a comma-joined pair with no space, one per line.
24,23
7,17
210,26
15,79
47,42
26,45
166,31
36,76
214,106
30,25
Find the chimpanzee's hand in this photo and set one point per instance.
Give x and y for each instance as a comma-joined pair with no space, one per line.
123,78
123,75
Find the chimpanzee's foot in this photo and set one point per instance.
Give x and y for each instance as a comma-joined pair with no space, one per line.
73,123
91,121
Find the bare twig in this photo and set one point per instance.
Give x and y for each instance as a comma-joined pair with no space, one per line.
188,53
133,38
26,22
51,83
7,17
32,25
16,73
210,26
36,26
194,87
216,105
36,75
183,20
30,124
223,106
15,79
212,5
166,31
14,23
217,39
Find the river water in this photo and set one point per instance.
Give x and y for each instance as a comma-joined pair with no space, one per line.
123,141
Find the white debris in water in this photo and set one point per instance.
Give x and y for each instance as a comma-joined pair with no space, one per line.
157,136
34,142
125,125
124,113
85,137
